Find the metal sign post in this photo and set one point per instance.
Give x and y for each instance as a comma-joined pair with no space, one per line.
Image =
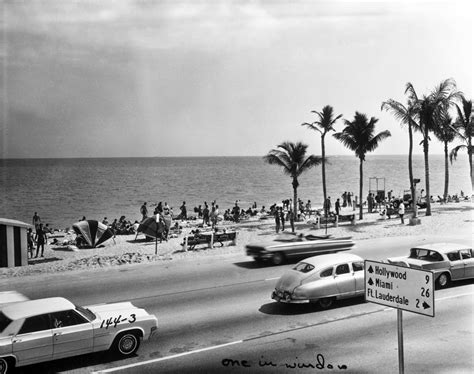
402,288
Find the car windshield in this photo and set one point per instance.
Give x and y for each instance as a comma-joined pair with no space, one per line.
303,267
86,313
4,322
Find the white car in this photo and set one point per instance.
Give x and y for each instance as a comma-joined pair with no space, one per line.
322,279
34,331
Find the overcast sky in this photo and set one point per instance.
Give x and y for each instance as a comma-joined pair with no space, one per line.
216,78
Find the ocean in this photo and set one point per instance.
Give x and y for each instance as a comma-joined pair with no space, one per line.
62,191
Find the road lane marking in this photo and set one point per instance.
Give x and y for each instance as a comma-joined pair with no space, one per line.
271,279
166,358
257,337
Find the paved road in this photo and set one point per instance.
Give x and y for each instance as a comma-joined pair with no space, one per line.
206,303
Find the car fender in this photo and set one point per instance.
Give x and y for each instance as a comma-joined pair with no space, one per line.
320,288
134,328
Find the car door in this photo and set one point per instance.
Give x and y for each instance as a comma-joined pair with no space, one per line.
358,271
72,334
456,265
468,261
345,280
34,341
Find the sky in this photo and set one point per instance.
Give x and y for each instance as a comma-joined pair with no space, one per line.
142,78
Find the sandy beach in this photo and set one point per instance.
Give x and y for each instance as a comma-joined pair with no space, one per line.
452,218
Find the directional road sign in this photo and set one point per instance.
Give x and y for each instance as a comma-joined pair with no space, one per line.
400,287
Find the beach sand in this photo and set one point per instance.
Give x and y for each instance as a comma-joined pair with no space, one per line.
452,218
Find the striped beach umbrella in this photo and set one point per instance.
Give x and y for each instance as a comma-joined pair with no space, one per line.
93,232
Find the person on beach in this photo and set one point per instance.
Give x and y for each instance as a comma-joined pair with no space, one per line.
184,213
205,214
337,207
291,217
349,198
236,212
401,212
30,241
282,219
40,238
277,220
36,220
144,211
344,199
105,222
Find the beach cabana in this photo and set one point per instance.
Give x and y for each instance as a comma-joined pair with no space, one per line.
13,243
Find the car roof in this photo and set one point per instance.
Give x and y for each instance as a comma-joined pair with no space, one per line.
25,309
331,259
442,247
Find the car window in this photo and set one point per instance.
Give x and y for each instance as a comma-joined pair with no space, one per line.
326,273
434,256
86,312
67,318
465,254
358,266
342,269
4,322
303,267
35,323
454,256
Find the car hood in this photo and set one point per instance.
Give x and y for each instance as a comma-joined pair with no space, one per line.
290,280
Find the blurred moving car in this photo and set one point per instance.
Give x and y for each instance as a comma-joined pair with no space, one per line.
448,261
297,247
322,280
7,297
41,330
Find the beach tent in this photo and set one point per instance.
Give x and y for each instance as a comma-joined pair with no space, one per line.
151,228
93,232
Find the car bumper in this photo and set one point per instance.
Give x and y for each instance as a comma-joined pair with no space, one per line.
285,297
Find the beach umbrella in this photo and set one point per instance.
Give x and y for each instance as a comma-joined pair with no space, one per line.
93,232
151,228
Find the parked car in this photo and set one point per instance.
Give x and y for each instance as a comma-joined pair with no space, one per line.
448,261
41,330
322,280
297,247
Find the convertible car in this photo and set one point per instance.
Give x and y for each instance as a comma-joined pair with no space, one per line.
322,279
297,247
34,331
448,261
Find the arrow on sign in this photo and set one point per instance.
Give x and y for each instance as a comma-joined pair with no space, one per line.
371,282
425,305
370,269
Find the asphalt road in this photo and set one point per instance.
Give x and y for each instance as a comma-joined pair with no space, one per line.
215,315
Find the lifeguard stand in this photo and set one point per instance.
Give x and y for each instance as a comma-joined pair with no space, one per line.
379,184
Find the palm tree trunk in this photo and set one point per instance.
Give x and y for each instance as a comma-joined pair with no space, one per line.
427,173
446,171
410,159
469,152
360,188
323,165
295,198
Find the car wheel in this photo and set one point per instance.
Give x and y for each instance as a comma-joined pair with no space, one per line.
443,280
278,258
127,344
4,367
395,204
326,302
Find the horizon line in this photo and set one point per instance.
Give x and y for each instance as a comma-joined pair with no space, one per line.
209,156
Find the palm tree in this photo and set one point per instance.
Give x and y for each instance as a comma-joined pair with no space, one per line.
465,130
323,125
359,137
446,133
406,117
428,110
292,158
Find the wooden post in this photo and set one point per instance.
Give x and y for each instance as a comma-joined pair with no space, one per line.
185,247
336,222
211,243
